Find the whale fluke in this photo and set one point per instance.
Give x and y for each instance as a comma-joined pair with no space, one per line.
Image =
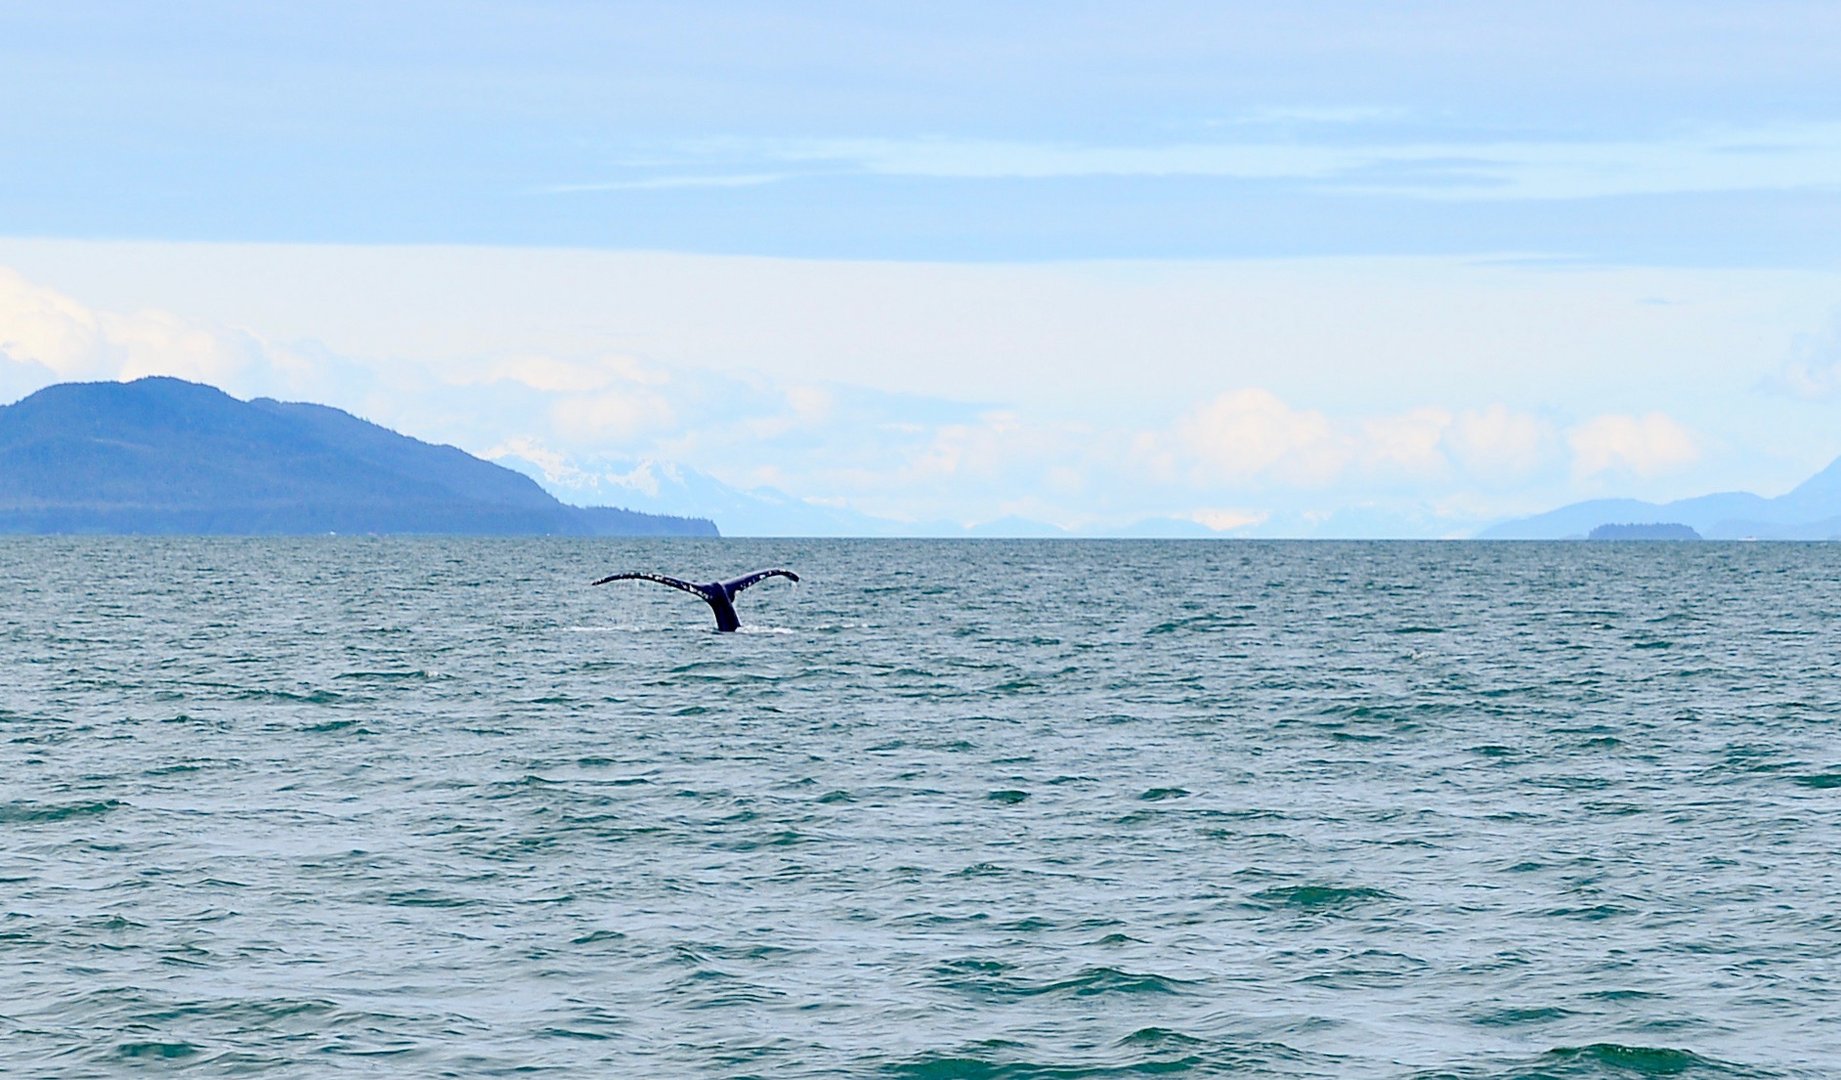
719,595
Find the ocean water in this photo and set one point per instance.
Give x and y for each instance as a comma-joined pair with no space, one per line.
389,807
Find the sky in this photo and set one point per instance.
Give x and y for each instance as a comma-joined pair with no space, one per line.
1293,269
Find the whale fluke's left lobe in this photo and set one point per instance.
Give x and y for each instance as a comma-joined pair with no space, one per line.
660,578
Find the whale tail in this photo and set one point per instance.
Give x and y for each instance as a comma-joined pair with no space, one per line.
719,595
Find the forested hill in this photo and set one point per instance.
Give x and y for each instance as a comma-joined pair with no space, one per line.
162,455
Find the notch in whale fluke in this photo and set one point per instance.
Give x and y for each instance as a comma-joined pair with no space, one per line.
719,595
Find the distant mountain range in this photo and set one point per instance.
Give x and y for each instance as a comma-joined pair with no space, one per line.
662,487
162,455
671,488
1812,511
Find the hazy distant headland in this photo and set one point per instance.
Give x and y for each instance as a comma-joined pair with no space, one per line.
162,455
1810,511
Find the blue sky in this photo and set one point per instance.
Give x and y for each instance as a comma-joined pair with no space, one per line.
1293,268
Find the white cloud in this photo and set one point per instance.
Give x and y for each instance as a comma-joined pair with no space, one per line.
555,374
1409,443
810,404
1813,371
43,327
805,408
1253,440
47,336
156,343
1252,437
1497,441
612,419
1228,520
1643,445
1249,435
998,443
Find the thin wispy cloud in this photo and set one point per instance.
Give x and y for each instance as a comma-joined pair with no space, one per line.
1766,158
667,183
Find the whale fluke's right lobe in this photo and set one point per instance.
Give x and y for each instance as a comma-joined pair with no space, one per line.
720,595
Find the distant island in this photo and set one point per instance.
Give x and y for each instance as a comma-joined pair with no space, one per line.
162,455
1810,511
1656,531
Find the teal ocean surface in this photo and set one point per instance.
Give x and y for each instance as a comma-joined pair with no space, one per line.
349,807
